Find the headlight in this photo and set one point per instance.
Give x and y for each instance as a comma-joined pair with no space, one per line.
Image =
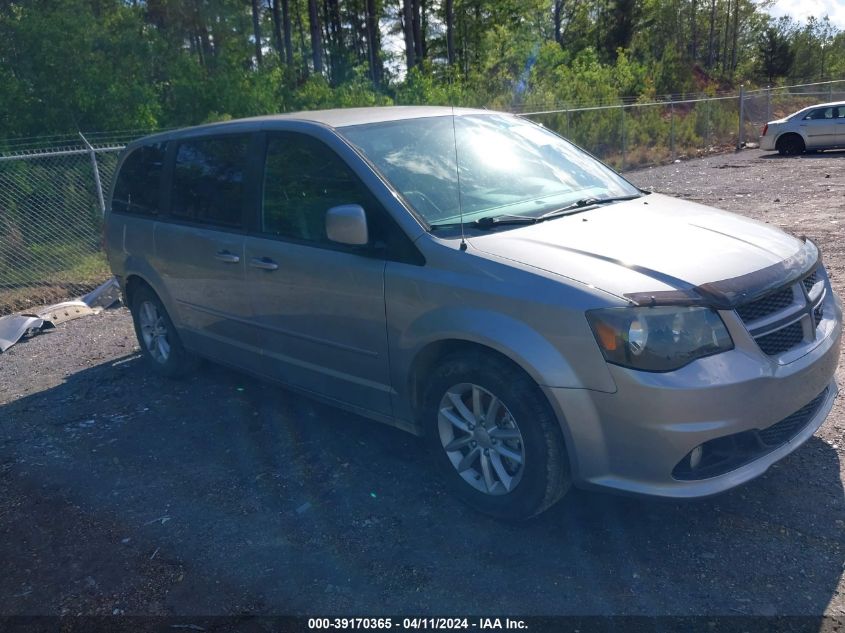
660,338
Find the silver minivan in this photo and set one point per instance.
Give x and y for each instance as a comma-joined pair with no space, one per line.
473,278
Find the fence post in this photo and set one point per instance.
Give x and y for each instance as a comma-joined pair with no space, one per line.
98,185
672,127
769,103
741,141
623,136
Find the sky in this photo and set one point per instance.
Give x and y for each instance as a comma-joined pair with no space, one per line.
802,9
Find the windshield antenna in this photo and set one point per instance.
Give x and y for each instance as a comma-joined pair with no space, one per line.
458,174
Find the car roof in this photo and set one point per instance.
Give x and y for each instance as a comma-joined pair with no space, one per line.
336,118
832,104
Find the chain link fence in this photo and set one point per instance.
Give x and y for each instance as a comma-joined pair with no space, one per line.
51,187
51,222
637,134
654,131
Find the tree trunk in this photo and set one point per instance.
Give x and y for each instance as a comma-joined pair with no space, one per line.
203,35
408,28
316,36
725,36
256,31
476,54
329,49
418,39
694,28
450,31
301,31
286,30
334,21
277,29
710,50
374,43
558,17
424,30
735,37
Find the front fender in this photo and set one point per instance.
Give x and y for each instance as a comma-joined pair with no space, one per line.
529,349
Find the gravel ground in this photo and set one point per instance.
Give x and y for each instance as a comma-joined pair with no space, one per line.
122,493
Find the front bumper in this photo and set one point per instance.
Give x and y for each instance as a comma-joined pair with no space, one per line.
633,439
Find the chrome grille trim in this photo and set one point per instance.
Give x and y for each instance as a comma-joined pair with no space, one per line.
787,317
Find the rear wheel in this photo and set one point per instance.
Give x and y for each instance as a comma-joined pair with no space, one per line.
157,336
790,145
494,438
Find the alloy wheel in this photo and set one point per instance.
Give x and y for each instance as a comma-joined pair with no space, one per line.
154,331
481,438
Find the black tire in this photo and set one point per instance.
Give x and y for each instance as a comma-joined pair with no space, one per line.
545,475
790,145
178,361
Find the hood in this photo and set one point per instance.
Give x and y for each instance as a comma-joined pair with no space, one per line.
656,244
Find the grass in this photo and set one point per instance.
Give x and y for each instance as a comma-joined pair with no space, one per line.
74,274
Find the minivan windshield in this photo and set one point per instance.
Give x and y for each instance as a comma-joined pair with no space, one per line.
509,167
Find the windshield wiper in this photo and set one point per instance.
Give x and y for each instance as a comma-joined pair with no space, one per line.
491,221
583,204
499,220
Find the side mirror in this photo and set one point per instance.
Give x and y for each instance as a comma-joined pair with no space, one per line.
347,224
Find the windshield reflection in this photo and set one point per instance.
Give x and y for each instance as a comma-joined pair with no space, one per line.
507,165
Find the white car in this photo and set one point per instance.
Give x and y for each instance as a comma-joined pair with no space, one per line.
817,127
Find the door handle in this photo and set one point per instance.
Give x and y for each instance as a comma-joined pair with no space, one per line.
226,257
264,263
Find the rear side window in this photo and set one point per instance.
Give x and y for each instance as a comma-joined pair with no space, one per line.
303,178
137,189
208,180
821,114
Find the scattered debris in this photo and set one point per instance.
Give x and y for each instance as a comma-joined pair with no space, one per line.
66,311
104,296
15,326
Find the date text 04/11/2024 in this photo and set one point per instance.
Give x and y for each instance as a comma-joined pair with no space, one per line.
417,623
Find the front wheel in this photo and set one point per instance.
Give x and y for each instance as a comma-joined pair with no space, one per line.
494,437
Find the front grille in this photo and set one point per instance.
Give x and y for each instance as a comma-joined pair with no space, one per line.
810,280
781,341
780,307
790,426
767,305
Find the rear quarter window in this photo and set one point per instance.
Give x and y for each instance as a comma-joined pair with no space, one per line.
137,189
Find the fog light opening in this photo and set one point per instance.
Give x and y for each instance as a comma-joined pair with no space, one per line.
695,457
